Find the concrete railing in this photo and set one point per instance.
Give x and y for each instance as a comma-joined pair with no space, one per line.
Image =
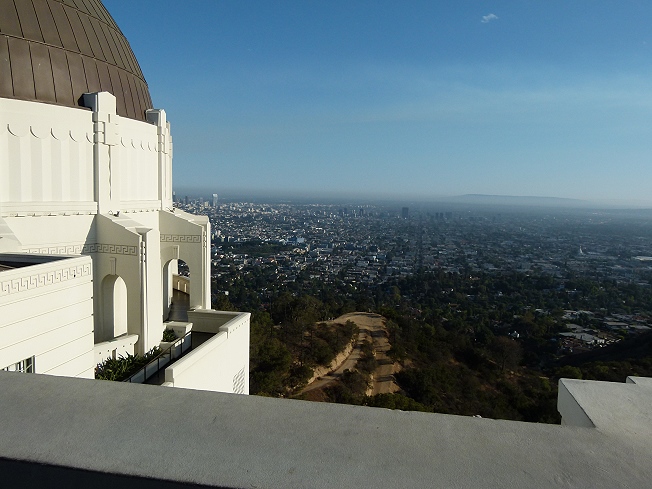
121,346
220,363
175,349
212,321
254,441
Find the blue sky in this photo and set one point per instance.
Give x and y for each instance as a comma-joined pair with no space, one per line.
419,99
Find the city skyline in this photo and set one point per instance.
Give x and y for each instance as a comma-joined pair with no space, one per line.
418,100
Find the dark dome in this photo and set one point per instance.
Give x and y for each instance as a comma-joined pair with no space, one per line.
53,51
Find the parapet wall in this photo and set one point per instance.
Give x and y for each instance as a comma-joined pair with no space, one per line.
46,313
57,160
249,441
220,364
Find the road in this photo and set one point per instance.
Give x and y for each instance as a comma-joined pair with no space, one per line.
371,326
383,378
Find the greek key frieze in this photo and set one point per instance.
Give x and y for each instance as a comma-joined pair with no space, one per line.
57,250
43,279
180,238
112,249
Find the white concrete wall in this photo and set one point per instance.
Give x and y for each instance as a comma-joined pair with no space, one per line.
220,364
46,158
54,235
572,412
87,181
137,155
63,160
60,167
46,311
187,237
134,255
115,348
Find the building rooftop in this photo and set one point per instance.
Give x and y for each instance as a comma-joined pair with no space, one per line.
11,261
143,433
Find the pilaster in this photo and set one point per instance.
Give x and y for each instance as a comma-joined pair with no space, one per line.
164,151
105,155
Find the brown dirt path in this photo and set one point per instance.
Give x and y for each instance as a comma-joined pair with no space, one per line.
371,326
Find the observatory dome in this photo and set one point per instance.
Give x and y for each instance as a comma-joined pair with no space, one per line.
54,51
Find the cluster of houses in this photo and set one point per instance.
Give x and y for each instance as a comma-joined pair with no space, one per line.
601,331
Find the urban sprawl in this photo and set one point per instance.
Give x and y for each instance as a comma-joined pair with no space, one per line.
373,245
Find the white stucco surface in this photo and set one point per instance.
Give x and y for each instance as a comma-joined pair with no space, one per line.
612,407
220,364
86,181
46,312
247,441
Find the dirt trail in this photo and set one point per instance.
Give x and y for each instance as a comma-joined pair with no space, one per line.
371,326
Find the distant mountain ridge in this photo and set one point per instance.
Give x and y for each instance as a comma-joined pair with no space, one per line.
517,200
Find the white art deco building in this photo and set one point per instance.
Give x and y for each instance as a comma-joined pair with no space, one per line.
88,247
89,238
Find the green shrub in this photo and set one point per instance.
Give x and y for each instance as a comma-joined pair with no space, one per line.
123,367
169,336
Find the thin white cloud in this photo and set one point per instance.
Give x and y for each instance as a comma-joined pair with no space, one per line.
488,18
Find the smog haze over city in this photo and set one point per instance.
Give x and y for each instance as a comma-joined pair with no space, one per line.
389,100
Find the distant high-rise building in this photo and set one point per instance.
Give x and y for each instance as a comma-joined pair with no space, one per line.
185,200
174,196
214,200
405,212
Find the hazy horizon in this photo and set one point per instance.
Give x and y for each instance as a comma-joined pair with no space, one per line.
272,196
418,99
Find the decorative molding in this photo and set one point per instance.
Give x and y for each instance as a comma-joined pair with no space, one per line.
112,249
43,279
77,134
56,250
181,238
140,205
50,208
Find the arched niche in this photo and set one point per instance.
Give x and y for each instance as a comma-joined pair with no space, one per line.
170,268
114,308
176,290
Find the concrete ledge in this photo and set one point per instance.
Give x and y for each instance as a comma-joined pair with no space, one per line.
212,321
140,205
572,412
642,381
180,328
611,407
118,430
49,208
121,346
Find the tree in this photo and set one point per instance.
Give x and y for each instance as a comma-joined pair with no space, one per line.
568,372
507,352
